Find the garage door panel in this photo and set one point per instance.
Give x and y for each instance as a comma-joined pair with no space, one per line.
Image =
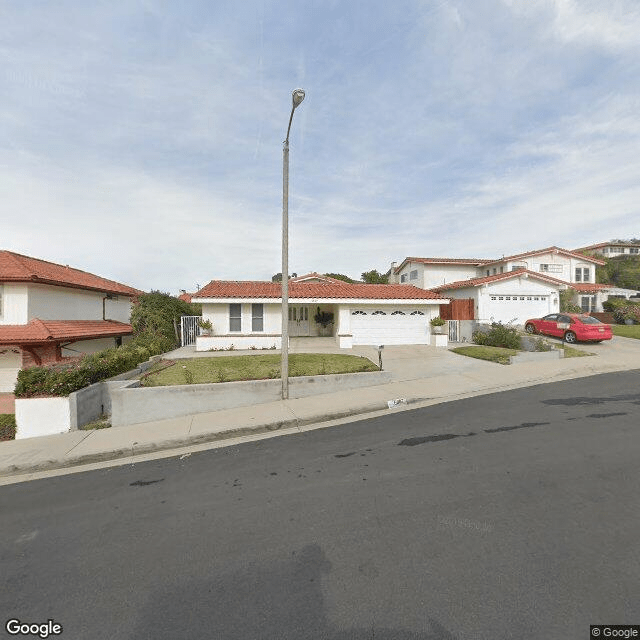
510,308
389,329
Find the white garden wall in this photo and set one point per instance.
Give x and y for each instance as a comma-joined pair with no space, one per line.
42,417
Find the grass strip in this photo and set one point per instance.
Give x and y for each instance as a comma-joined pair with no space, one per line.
492,354
254,367
626,330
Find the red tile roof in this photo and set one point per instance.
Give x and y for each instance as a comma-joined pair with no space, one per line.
590,287
553,249
339,289
39,331
477,282
15,267
185,297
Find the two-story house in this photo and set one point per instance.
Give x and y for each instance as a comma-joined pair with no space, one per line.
612,249
49,312
512,288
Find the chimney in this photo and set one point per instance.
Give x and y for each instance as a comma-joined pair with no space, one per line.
393,277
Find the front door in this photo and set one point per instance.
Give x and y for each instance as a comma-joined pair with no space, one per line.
298,321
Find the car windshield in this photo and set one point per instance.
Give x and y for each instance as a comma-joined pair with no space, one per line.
589,320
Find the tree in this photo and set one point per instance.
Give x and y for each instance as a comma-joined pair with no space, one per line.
340,276
374,277
278,276
153,315
621,271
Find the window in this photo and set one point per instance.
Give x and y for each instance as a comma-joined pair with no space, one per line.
404,277
417,313
588,303
488,272
518,267
413,275
495,271
501,269
378,313
358,313
1,292
494,298
398,313
582,274
507,297
529,298
235,317
521,297
551,268
257,317
500,297
617,249
633,250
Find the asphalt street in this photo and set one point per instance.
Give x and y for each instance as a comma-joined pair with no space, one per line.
511,515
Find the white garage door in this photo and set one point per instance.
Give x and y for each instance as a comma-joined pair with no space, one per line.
10,364
507,308
389,327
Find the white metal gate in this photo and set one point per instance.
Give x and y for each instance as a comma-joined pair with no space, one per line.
189,329
454,330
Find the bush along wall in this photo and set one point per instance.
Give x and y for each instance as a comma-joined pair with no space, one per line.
63,379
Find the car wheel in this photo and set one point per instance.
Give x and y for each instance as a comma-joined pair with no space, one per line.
570,337
530,328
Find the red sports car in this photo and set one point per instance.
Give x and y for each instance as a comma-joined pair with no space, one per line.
570,326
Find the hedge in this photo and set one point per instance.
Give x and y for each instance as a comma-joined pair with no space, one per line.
63,379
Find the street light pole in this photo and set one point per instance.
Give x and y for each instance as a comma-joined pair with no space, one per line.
297,98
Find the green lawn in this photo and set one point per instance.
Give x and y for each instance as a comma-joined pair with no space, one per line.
501,355
493,354
626,330
258,367
7,426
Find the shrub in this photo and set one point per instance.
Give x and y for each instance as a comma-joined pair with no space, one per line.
437,322
63,379
627,312
499,335
567,305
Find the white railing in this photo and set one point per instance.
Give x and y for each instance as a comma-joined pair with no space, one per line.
189,329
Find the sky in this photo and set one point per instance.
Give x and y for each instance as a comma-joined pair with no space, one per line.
141,140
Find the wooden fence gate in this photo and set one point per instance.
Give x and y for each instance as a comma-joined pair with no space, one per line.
462,309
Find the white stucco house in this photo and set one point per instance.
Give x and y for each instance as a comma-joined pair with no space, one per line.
248,314
570,269
511,297
49,312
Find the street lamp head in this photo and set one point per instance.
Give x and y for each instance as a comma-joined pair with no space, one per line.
298,97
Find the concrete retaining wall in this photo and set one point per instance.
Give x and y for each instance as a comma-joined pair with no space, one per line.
132,404
47,416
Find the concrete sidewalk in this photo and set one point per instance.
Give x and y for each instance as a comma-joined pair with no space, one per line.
422,376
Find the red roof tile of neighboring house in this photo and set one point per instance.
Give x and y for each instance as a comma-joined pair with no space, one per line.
590,287
185,297
339,289
15,267
477,282
39,331
476,262
554,249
